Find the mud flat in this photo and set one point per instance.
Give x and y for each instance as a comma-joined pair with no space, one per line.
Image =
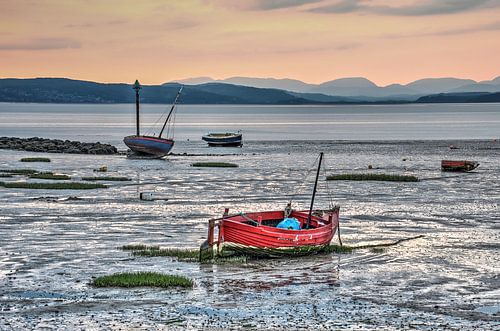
54,242
36,144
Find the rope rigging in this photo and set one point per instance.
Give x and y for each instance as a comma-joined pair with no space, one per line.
302,184
169,121
155,124
301,188
330,196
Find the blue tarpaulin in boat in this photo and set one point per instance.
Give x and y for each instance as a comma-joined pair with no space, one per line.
289,224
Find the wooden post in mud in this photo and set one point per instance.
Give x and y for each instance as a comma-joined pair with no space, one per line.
221,237
211,228
207,248
314,191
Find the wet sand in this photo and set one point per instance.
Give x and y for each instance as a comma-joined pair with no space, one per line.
50,249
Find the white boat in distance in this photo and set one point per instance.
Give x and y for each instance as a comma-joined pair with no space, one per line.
224,139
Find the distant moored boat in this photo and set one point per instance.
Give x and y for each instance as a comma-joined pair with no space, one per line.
150,145
450,165
221,139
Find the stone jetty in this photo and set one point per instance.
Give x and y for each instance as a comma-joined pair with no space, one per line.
36,144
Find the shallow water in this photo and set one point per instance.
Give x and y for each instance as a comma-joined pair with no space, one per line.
49,251
110,123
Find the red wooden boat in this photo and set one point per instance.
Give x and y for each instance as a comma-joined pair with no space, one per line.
449,165
257,233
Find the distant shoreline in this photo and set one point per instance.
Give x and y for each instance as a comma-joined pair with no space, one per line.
67,91
255,104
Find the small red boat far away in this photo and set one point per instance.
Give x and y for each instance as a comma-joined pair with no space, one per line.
449,165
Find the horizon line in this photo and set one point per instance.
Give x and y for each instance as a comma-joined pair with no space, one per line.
220,80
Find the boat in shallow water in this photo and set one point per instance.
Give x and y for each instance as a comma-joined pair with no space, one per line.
155,146
257,233
224,139
261,234
450,165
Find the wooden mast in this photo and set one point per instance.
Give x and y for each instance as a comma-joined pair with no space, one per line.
314,191
137,87
170,113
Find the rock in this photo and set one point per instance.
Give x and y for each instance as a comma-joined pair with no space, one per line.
36,144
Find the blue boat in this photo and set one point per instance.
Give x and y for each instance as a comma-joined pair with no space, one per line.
225,139
150,145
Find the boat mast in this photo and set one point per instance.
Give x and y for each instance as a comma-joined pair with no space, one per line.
170,113
314,191
137,87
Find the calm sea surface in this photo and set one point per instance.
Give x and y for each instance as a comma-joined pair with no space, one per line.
53,242
109,123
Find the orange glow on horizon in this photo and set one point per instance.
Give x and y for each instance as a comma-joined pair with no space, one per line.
159,41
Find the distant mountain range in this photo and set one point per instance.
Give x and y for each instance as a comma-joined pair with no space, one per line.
236,91
361,88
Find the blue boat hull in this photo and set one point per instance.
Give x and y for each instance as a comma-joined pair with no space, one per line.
149,145
234,140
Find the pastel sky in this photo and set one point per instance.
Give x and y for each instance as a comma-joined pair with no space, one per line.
314,41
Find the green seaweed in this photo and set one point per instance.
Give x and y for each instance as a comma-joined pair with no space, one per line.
375,177
180,253
339,249
152,251
235,254
19,171
230,259
52,186
108,178
136,279
35,159
49,175
138,247
214,164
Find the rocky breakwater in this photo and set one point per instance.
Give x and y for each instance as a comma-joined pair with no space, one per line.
36,144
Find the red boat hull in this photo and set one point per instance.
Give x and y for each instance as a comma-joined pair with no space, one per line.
262,238
449,165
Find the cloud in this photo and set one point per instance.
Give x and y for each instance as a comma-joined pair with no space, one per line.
278,4
418,8
83,25
344,6
261,4
96,24
116,22
40,44
495,26
180,24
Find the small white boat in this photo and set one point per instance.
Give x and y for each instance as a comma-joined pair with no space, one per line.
224,139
